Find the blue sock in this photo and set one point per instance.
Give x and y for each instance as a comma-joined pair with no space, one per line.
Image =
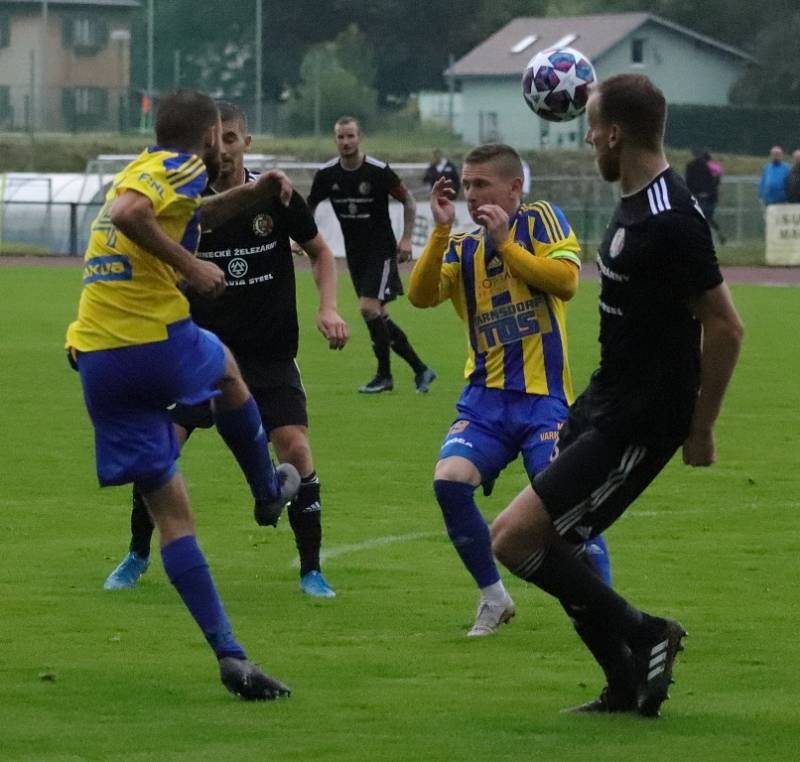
244,434
467,529
187,569
597,553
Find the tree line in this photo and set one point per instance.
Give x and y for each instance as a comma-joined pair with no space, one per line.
381,51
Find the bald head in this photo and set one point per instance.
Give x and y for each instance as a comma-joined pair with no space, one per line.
776,154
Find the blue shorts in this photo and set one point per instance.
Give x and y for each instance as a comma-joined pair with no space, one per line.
127,391
494,426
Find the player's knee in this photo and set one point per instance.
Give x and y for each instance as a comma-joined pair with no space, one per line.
457,469
498,530
369,312
297,452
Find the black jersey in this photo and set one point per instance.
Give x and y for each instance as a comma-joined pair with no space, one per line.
360,199
656,258
256,315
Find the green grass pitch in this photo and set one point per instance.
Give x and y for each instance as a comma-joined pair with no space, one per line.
384,672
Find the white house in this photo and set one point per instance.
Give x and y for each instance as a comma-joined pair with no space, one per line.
689,67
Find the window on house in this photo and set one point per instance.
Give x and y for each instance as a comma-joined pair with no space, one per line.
6,112
524,43
84,107
637,50
85,33
489,127
564,41
90,100
5,30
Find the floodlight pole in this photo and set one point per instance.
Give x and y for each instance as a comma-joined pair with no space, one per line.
258,42
150,39
176,68
451,88
43,69
317,93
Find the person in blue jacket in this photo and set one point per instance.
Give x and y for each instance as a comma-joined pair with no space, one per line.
772,187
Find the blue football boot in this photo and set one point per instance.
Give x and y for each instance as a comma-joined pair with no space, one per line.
127,574
314,584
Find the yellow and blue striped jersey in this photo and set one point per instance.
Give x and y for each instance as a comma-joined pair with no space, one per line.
516,334
130,296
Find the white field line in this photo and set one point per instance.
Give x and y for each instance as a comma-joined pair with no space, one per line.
375,542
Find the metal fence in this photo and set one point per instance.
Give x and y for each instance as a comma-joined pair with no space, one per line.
62,227
69,109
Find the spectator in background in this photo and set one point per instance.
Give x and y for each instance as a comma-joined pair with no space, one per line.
792,184
703,177
441,166
772,188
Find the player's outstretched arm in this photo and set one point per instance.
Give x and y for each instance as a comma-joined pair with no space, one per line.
218,209
133,215
722,339
323,267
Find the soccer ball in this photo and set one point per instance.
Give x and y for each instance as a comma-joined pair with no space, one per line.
556,84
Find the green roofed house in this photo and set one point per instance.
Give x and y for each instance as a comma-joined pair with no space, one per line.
689,67
64,64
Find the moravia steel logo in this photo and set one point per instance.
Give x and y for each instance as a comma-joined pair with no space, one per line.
237,268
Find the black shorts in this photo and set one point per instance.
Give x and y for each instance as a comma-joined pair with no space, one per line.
594,478
277,390
375,277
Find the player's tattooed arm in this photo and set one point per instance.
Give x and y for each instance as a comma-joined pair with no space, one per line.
219,208
133,215
722,339
400,192
323,267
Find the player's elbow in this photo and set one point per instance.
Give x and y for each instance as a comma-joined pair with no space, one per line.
735,331
124,218
418,299
727,331
567,291
567,285
421,297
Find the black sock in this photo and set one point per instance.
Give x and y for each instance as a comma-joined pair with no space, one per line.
399,342
380,344
305,518
612,654
557,571
141,526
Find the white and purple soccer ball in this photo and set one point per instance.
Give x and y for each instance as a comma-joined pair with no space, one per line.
556,82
